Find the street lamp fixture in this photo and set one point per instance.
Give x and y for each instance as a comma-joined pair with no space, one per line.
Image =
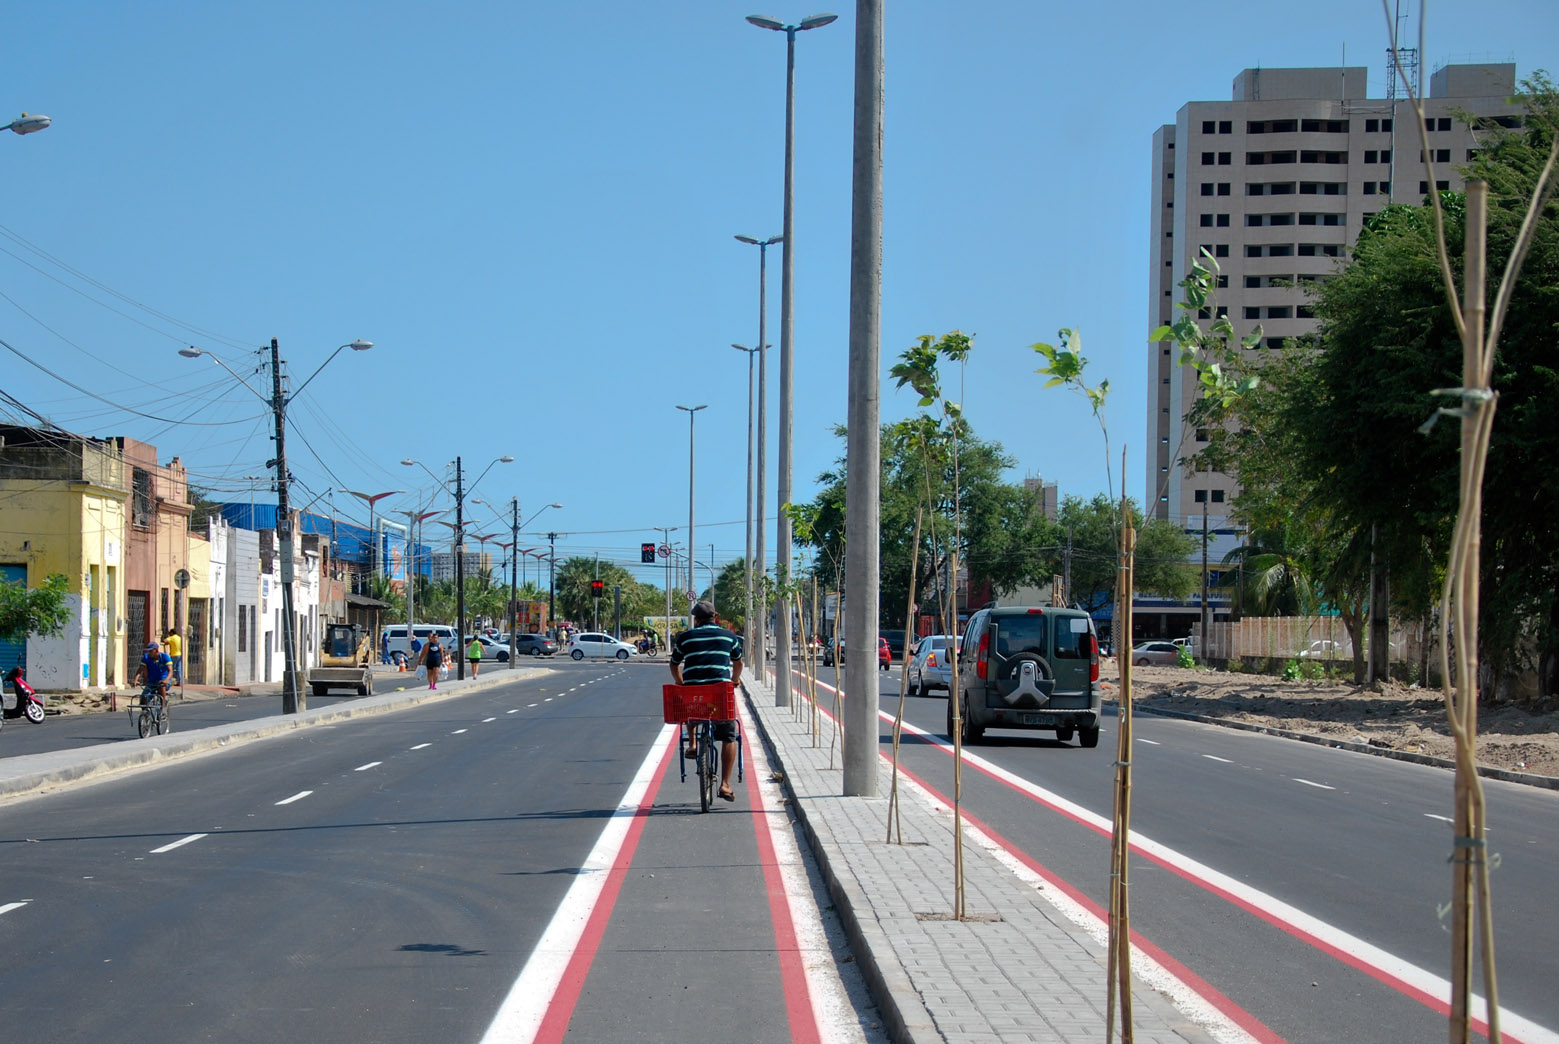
371,499
27,123
293,699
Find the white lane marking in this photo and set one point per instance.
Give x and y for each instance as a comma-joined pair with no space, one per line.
365,768
181,842
8,907
516,710
520,1015
1214,757
549,699
299,796
421,745
1443,819
458,732
1318,786
1155,743
486,720
1419,983
530,705
836,1017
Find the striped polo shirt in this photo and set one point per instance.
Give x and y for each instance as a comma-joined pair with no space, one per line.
705,653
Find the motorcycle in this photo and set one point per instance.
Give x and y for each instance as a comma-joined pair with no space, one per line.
28,702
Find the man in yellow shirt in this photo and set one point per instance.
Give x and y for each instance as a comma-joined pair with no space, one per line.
175,647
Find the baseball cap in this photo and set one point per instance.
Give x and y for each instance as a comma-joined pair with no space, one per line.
703,610
151,646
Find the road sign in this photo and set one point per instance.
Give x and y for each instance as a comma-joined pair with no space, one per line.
664,550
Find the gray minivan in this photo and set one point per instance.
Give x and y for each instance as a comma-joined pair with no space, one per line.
1022,667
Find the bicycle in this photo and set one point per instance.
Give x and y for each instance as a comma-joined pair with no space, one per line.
696,708
153,707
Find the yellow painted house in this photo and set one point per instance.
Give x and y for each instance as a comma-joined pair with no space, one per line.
63,510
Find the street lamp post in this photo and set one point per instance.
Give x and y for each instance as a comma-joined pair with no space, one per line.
293,699
787,329
747,618
552,581
691,412
761,623
371,499
460,548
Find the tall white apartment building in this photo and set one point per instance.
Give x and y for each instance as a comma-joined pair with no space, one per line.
1276,183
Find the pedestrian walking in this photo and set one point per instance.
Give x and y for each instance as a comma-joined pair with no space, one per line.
474,654
175,649
432,659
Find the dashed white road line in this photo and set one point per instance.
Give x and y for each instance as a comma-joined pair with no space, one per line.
8,907
1214,757
421,745
549,699
530,705
1443,819
516,710
1155,743
365,768
180,843
299,796
1318,786
486,720
458,732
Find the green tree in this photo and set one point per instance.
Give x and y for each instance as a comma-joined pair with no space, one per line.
1163,550
40,610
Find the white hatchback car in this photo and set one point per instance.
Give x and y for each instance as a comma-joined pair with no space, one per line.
593,643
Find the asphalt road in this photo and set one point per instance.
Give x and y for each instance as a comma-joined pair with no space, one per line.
387,879
1355,841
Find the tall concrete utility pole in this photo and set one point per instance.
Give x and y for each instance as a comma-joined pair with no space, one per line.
292,698
861,567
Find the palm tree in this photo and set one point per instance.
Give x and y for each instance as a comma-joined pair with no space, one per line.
1270,575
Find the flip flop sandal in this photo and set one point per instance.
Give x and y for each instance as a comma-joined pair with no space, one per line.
727,795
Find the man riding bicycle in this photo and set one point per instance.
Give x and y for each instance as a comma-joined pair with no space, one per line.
708,654
156,666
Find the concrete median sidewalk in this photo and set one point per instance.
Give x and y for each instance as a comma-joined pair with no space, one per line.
37,773
1017,970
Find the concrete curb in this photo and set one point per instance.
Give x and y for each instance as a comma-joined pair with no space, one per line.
885,978
32,774
1487,771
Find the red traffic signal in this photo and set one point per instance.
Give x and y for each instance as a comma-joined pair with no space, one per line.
597,587
647,554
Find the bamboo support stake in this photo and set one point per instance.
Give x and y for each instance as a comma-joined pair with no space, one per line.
894,820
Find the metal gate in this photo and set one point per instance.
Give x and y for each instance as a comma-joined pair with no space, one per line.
13,654
195,644
138,606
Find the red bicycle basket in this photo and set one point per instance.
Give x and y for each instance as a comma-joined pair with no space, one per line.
716,702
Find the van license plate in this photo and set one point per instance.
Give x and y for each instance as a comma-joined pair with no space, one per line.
1033,719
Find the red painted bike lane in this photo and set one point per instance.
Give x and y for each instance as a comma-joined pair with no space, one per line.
692,932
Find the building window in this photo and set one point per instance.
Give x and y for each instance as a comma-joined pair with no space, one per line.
1207,126
1225,158
1280,250
1223,311
1279,312
1274,342
1217,496
1304,312
1251,250
1371,126
1316,156
243,631
141,498
1324,126
1385,125
1207,221
1223,282
1444,123
1207,188
1201,494
1221,250
1369,188
1223,188
1442,186
1252,312
1207,159
1225,126
1253,282
1322,219
1223,221
1385,154
1323,188
1371,156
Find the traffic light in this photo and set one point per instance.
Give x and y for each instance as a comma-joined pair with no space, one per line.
647,554
597,588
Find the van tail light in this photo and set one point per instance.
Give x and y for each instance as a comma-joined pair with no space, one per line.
982,662
1093,658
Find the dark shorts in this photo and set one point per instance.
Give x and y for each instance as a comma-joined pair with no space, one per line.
725,730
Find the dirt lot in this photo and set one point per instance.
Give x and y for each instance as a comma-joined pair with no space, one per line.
1521,738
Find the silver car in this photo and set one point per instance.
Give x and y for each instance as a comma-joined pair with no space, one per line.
931,666
1156,654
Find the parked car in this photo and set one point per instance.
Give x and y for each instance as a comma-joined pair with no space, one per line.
1027,667
931,667
884,653
594,643
492,650
1326,649
534,645
1156,654
895,641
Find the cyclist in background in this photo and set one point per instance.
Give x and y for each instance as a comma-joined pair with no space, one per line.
155,669
707,654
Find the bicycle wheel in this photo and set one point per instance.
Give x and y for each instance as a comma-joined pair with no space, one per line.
143,724
164,723
708,775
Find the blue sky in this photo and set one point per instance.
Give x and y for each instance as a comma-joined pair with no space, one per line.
529,208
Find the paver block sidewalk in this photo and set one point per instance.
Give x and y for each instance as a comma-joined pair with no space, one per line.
1016,970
